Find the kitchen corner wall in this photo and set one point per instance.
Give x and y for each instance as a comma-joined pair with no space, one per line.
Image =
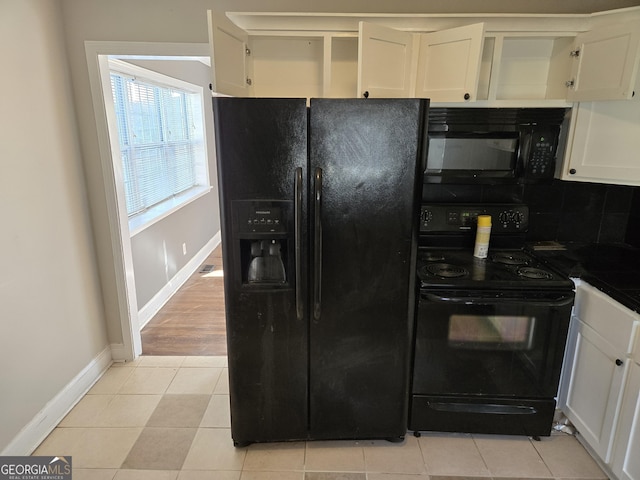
562,211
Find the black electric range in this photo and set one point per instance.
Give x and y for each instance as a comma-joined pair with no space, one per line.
490,333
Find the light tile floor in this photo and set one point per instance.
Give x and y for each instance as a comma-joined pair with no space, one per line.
167,418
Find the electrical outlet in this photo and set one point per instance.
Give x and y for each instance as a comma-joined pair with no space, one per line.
184,248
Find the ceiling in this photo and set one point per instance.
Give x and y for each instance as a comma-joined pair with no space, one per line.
425,6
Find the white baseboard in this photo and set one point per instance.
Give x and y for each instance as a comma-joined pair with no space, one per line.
119,353
154,305
55,410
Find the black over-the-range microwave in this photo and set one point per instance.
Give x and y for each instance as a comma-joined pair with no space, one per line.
493,145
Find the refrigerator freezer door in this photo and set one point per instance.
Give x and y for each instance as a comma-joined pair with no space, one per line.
262,158
369,155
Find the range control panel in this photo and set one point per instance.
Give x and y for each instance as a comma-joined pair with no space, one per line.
451,218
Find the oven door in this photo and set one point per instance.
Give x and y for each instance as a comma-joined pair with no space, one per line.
479,355
475,344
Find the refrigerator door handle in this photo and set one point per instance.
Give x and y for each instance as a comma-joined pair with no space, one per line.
298,242
317,250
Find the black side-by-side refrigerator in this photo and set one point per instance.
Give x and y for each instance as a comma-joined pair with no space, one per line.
319,211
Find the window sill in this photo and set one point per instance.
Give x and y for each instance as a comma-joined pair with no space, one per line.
144,220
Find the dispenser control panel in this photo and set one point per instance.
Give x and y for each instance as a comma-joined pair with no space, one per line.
261,216
505,218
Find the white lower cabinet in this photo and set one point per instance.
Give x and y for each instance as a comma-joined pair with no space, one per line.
626,453
599,390
595,388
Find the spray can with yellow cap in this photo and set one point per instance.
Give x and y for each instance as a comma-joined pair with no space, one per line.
482,236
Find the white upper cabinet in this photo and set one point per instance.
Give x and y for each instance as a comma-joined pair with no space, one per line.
385,62
449,64
443,66
605,63
230,57
484,59
603,144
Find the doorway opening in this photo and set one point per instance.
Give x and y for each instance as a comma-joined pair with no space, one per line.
157,265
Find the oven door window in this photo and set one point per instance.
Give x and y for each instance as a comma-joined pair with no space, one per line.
492,332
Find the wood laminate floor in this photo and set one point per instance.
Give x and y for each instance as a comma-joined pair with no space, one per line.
193,321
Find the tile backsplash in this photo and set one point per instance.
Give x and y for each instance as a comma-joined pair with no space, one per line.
563,211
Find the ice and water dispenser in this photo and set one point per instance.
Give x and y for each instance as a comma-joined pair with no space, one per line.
263,239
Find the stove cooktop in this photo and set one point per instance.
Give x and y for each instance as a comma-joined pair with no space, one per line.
502,269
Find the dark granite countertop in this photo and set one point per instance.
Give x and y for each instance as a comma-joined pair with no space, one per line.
612,268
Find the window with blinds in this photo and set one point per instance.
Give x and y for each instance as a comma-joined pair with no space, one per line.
161,138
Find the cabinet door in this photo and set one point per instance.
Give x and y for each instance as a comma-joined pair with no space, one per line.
449,64
231,61
606,63
626,462
385,59
604,143
568,363
593,400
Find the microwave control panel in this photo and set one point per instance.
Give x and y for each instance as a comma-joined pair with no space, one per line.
451,218
542,156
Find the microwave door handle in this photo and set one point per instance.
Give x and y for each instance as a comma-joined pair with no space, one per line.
561,301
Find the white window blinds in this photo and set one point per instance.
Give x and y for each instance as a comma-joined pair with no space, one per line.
160,130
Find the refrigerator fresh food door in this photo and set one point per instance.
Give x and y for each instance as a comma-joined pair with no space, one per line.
365,164
262,169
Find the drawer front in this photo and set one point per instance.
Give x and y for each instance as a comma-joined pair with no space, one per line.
614,322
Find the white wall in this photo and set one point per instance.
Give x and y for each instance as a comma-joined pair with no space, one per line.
51,314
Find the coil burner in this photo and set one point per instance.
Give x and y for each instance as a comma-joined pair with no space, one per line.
534,273
446,270
432,257
510,258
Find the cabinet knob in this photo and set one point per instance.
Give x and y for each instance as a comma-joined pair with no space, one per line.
366,94
467,96
619,362
572,171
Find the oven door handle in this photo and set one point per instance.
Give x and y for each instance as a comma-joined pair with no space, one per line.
483,408
558,301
